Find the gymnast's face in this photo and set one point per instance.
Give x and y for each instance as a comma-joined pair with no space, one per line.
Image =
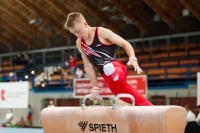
80,30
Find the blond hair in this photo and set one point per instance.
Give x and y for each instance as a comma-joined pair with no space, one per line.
72,19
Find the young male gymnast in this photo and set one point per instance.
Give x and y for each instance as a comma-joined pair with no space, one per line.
96,47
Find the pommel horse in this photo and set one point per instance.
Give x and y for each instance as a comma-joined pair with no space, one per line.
114,119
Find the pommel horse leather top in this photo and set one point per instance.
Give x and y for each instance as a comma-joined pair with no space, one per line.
125,119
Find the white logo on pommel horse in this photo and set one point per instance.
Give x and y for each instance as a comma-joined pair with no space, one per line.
98,127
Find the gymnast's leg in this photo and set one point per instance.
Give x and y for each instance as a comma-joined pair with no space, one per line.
115,76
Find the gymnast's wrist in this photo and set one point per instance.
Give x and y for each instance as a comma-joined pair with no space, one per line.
132,58
95,89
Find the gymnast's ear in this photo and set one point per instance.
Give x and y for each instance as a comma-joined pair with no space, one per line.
86,24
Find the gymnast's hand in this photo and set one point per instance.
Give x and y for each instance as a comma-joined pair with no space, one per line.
133,61
94,93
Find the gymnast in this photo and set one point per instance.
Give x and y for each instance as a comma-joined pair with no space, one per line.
96,45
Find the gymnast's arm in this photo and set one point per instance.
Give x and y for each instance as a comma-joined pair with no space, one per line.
108,35
198,118
88,67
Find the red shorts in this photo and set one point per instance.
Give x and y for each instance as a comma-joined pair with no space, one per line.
29,117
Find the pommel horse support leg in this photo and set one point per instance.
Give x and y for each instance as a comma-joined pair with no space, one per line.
114,119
